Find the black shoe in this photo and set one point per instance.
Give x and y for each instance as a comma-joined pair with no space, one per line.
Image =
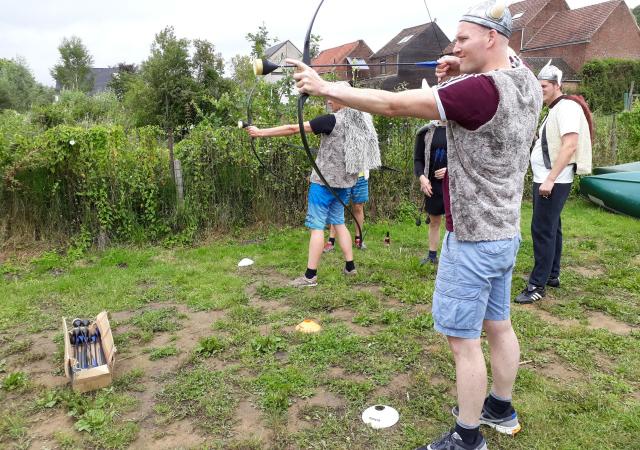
530,294
452,441
506,423
553,282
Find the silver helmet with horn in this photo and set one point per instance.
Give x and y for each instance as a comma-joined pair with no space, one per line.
491,14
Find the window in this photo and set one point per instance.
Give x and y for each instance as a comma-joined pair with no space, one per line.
383,67
405,39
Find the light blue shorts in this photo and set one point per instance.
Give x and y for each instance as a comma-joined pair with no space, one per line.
323,208
473,284
360,192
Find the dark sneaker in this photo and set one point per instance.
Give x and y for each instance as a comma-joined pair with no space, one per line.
553,282
507,423
530,294
328,247
304,282
428,260
452,441
349,273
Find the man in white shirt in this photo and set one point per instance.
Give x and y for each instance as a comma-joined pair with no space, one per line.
554,160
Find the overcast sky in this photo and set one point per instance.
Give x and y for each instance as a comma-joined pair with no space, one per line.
123,30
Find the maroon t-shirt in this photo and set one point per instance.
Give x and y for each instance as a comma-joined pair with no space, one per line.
471,101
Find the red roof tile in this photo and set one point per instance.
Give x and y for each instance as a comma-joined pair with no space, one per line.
529,9
335,55
576,25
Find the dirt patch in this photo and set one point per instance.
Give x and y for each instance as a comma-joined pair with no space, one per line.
180,434
589,271
599,319
44,426
346,316
557,371
397,387
270,307
250,423
555,320
322,398
340,373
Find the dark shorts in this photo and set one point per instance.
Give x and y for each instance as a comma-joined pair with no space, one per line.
434,204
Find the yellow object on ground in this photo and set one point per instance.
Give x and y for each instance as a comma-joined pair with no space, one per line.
308,326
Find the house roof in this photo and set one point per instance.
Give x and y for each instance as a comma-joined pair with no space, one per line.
101,78
573,26
535,63
529,9
335,55
405,37
268,53
273,49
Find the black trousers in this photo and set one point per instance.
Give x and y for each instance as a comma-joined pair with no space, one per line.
546,232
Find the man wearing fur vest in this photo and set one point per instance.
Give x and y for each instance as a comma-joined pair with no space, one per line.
563,148
348,146
491,107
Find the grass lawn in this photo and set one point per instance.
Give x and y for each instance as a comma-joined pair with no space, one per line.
208,356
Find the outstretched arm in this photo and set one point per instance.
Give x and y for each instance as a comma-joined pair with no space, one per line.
418,103
282,130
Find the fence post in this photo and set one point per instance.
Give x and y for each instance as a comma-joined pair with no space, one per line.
177,167
614,140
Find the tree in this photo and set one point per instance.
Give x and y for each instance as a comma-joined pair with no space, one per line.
164,92
314,49
18,88
259,41
73,71
636,13
122,80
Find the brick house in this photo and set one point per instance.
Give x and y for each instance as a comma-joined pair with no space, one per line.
352,53
420,43
545,29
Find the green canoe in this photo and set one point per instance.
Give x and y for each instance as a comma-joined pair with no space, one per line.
618,192
628,167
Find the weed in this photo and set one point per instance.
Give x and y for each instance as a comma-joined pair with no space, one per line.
210,346
162,352
14,381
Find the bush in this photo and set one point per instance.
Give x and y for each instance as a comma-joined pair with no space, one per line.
604,82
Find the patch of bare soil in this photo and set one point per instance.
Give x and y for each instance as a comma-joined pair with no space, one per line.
176,435
45,425
250,423
322,398
340,373
397,387
270,307
346,316
557,371
555,320
599,319
588,271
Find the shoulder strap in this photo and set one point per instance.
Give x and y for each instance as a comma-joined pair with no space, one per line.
545,148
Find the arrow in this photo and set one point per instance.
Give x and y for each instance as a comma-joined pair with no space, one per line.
265,67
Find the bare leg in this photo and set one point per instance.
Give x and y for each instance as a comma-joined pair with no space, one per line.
316,243
344,239
358,211
505,355
434,232
332,231
471,378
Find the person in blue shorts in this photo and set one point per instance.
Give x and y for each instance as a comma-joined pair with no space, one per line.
358,195
348,146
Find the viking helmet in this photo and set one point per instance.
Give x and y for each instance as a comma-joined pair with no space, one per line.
490,14
550,73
